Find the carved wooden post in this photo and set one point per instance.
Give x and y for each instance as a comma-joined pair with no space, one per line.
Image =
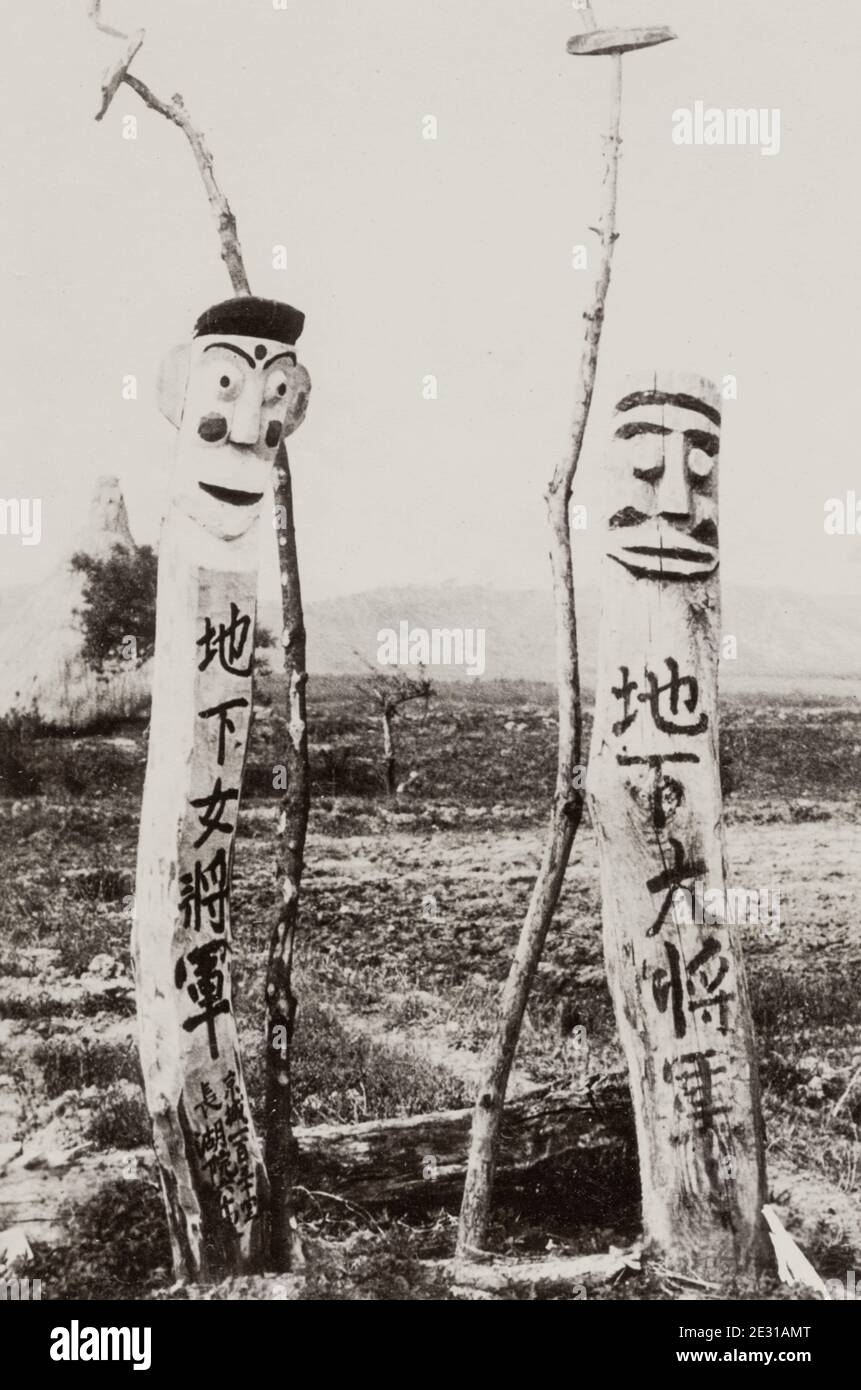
675,971
568,796
233,394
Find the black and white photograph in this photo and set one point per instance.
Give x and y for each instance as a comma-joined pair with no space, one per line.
430,668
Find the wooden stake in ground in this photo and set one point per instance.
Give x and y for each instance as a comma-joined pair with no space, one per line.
673,953
233,394
568,795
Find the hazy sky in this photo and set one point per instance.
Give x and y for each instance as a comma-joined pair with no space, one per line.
450,257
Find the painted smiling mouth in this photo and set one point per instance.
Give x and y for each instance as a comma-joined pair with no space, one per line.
669,552
229,494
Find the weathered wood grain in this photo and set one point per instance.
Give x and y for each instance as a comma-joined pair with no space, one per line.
426,1154
678,985
209,1154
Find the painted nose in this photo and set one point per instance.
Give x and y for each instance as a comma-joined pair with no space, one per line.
673,493
245,425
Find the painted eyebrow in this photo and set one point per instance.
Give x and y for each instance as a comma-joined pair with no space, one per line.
679,398
705,440
278,357
640,427
230,348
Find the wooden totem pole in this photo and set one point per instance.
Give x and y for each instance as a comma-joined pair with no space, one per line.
674,962
233,394
568,796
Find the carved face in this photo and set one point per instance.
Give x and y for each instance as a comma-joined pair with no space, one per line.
239,397
665,447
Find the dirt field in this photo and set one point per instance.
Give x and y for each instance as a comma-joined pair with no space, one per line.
411,909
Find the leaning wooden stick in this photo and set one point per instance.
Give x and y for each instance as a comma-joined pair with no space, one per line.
233,393
672,950
285,1246
568,795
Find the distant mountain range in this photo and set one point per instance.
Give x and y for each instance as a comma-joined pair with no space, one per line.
786,639
783,636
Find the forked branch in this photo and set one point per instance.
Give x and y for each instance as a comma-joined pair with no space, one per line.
174,110
568,795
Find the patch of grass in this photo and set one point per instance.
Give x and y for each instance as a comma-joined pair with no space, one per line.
16,967
23,1007
119,1002
783,1003
96,931
354,988
814,1140
121,1120
91,826
800,1018
28,912
26,1007
103,883
19,770
80,766
117,1247
69,1064
407,1008
372,1267
652,1286
340,1077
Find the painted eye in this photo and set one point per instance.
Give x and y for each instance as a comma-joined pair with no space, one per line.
229,383
644,455
277,386
700,464
703,449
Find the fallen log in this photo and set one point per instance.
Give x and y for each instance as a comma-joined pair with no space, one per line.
421,1158
400,1160
376,1163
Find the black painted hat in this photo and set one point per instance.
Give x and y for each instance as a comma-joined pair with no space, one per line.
253,318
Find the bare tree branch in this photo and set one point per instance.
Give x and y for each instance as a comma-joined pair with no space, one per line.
585,9
388,692
292,830
568,796
174,111
96,16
